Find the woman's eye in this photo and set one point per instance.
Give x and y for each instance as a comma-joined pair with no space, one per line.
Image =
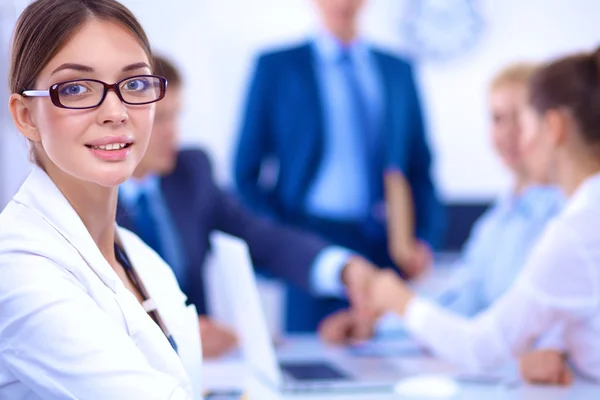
137,85
73,90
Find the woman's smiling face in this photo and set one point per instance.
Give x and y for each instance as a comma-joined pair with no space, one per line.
101,145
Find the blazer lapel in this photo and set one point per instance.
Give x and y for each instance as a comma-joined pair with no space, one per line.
386,85
169,189
307,63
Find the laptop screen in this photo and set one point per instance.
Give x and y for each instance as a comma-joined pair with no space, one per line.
235,270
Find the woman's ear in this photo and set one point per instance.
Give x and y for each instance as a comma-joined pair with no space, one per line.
557,126
21,115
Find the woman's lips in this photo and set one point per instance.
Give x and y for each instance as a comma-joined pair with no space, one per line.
111,152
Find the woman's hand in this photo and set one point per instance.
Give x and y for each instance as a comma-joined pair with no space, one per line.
389,293
415,260
545,367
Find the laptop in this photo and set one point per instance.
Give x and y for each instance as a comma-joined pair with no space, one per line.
309,375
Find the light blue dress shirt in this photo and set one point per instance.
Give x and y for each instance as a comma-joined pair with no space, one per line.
325,275
129,193
341,188
496,251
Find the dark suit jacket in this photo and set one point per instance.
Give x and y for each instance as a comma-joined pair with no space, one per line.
198,207
284,120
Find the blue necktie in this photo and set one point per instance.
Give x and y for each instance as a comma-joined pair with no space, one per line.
367,136
147,224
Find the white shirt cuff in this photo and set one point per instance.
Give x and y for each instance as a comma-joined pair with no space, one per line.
418,312
326,274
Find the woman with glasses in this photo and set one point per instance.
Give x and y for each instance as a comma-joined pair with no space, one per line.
86,309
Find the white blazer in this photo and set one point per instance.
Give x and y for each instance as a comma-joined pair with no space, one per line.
69,329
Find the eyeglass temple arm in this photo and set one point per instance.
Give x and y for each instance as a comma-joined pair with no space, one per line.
36,93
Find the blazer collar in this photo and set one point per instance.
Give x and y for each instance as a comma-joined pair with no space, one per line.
40,194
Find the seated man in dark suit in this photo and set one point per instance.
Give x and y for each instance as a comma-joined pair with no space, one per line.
173,204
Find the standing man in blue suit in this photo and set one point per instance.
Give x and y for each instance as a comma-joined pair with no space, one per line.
173,204
336,115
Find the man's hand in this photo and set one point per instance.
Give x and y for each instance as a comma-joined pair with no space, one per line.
545,367
357,276
343,327
216,338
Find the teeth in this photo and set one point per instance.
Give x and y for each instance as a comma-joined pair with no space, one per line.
111,146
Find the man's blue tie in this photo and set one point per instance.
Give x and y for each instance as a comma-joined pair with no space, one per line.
147,224
365,129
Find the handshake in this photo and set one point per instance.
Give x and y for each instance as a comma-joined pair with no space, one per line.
372,292
369,289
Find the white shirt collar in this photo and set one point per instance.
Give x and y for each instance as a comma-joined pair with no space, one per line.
329,48
587,192
537,201
40,194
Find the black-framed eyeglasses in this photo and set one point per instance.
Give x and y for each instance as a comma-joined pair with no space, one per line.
80,94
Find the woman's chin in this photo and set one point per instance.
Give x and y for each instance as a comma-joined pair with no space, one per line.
113,178
115,173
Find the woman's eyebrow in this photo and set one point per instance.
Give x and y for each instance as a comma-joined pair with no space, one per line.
135,66
75,67
85,68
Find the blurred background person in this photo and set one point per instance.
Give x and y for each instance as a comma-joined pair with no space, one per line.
560,283
503,237
335,114
173,204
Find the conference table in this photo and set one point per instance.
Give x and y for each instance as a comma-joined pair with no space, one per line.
229,374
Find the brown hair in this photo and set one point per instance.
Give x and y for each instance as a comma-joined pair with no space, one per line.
571,83
45,26
164,67
513,74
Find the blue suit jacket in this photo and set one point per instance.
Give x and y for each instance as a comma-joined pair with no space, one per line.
284,120
198,207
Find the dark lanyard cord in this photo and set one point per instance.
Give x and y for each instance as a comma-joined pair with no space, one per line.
133,276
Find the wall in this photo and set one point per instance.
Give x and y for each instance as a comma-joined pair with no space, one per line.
214,41
216,45
14,165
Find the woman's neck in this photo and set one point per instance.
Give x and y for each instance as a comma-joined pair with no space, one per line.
574,172
521,183
96,206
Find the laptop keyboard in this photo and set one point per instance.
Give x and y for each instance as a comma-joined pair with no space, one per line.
313,371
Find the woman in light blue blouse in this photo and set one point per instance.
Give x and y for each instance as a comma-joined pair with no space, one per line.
503,237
